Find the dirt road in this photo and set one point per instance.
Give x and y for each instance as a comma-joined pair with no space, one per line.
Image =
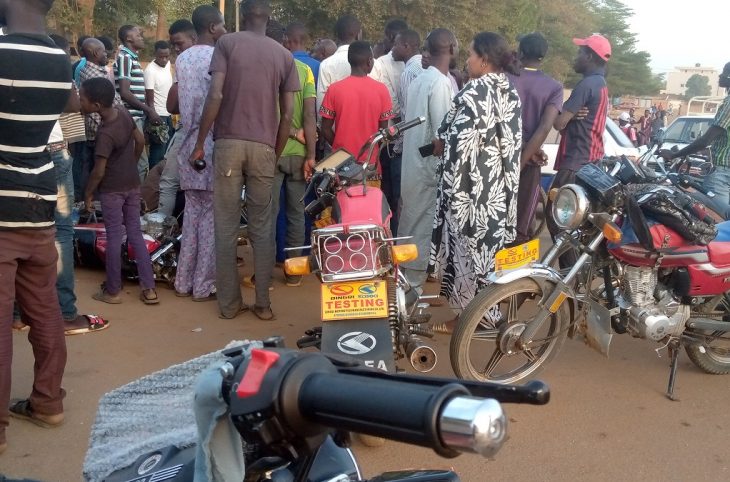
608,419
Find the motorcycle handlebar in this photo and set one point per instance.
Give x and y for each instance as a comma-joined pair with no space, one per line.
397,129
446,418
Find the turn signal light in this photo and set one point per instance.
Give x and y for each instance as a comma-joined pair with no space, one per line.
403,253
612,232
297,266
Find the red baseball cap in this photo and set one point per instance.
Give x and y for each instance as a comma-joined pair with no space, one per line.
598,43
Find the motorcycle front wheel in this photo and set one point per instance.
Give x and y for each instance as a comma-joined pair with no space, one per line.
484,343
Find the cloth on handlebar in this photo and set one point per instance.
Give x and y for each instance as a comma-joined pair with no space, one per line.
672,208
147,414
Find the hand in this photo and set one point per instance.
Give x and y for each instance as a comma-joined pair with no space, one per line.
538,159
582,113
198,153
308,168
154,118
438,147
666,154
89,204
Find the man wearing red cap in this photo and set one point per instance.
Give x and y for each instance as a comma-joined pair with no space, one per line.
581,139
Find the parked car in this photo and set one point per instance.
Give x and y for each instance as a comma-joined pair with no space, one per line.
684,130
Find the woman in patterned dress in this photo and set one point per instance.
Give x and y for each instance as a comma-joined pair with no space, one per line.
479,141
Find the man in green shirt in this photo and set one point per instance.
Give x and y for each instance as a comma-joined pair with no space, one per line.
297,156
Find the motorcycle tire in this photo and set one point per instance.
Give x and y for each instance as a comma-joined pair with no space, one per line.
712,359
503,333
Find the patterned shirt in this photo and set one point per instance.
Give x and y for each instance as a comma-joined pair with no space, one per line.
31,101
92,121
412,70
127,67
193,81
720,149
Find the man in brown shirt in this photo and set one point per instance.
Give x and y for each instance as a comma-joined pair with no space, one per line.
250,100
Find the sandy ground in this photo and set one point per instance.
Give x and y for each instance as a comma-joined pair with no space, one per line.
608,419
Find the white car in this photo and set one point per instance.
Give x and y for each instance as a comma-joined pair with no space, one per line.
684,130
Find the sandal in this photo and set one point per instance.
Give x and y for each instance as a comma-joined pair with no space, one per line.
263,313
105,297
19,325
93,323
21,409
242,309
149,297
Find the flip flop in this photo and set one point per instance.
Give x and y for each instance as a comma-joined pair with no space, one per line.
263,313
21,409
148,300
244,308
94,323
20,326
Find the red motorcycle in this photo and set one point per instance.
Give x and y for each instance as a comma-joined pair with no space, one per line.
369,311
161,235
640,257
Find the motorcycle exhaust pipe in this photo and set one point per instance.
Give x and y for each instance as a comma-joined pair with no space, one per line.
422,357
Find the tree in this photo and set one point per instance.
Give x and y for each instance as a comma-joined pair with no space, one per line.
697,85
72,18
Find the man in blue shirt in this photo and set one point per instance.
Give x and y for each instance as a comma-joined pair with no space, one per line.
297,39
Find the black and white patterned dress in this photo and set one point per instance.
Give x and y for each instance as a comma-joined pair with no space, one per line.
477,197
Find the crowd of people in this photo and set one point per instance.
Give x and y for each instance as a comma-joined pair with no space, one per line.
258,108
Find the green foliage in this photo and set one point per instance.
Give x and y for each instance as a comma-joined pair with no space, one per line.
697,85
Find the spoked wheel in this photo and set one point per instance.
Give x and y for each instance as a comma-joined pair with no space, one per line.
485,346
712,356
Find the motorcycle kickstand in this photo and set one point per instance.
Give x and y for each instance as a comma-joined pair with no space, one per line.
674,355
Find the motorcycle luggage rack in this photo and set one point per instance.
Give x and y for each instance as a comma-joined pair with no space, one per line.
351,253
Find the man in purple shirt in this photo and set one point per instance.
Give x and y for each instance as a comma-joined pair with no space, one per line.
542,100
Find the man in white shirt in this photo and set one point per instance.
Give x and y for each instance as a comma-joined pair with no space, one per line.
429,96
157,84
335,68
387,69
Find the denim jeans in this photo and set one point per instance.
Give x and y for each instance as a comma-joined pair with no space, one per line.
170,179
81,168
63,164
719,183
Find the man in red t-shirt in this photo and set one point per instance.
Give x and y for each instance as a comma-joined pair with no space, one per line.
357,106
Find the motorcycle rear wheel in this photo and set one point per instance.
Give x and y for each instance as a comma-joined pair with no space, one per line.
716,357
478,327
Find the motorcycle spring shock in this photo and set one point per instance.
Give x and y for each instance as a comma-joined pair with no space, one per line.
393,303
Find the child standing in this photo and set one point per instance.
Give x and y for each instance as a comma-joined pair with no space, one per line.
118,146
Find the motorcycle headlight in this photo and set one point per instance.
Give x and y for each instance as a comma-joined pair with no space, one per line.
570,207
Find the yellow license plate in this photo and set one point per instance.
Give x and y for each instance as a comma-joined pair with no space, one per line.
518,256
354,300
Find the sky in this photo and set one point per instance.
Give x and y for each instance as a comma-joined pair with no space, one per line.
682,32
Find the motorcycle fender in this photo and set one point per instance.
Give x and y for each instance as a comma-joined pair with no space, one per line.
366,341
543,275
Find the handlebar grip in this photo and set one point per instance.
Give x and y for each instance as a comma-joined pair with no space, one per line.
324,183
395,130
445,418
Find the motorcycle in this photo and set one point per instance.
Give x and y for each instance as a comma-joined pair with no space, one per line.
368,310
665,288
292,410
162,235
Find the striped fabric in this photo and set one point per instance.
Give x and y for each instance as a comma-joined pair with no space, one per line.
127,67
31,100
720,149
72,125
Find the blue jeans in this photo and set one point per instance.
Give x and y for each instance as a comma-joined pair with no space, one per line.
391,185
63,164
719,183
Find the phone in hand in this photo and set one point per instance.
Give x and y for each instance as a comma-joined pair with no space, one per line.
426,150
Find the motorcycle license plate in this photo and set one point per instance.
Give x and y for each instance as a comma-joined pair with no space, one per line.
517,256
354,300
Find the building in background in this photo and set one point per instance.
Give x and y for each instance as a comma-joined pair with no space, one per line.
677,79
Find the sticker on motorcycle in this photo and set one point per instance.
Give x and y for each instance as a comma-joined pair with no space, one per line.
354,300
356,343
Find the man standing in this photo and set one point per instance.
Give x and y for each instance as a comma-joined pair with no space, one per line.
429,95
542,99
251,109
129,81
405,49
323,49
336,67
95,66
31,101
386,68
196,263
157,83
297,157
297,39
182,37
354,108
717,138
581,139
